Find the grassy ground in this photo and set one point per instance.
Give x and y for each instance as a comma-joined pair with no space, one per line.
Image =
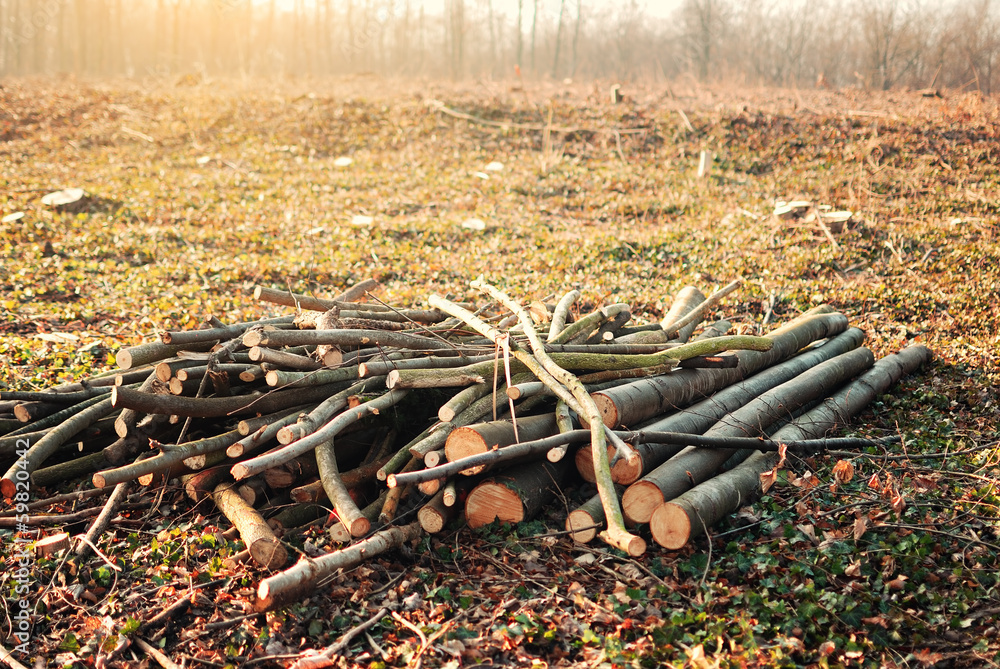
201,192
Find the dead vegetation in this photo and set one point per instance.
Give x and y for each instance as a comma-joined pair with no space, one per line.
249,186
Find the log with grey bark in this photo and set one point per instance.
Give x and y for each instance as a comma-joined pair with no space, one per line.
674,523
633,403
702,415
692,466
338,494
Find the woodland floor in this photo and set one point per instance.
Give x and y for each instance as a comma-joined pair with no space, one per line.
203,191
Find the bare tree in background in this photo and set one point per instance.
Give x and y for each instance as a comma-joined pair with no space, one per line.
893,34
559,30
976,33
784,42
798,37
576,37
520,33
457,29
422,27
701,19
493,37
629,21
534,31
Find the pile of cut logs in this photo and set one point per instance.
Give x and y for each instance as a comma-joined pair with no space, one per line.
364,409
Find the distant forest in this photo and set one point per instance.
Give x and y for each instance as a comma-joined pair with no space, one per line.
878,44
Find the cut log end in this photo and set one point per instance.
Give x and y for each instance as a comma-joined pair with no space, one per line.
490,501
249,376
558,453
339,533
607,408
430,487
670,526
287,434
98,480
431,520
446,414
248,493
581,526
253,338
463,442
239,472
630,543
359,527
123,358
640,501
279,478
392,379
584,460
162,370
302,495
51,544
627,472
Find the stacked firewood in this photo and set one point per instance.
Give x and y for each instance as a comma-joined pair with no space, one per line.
363,408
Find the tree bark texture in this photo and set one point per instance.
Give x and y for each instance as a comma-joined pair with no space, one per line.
702,415
632,403
264,546
676,522
692,466
515,495
284,587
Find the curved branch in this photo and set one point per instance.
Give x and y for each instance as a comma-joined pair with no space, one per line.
293,450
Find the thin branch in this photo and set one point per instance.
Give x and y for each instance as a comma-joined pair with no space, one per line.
922,456
344,641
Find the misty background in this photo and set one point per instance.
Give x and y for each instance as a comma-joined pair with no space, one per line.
878,44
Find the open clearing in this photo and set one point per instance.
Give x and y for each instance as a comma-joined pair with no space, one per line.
200,192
